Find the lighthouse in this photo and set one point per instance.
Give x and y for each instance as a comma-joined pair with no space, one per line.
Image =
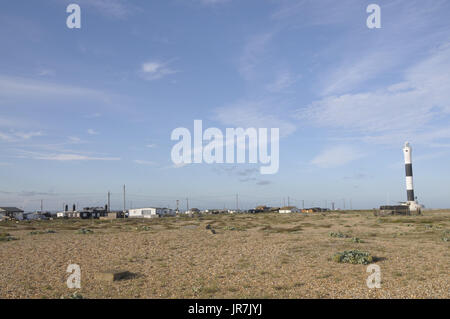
414,206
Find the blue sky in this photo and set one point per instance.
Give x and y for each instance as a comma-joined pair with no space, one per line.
83,112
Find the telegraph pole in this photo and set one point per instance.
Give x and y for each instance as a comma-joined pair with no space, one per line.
124,203
303,204
109,202
178,202
42,206
187,204
289,202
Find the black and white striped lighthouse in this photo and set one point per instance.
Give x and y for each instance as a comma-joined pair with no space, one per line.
409,174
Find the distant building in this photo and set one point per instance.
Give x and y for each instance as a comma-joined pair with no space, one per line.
150,212
11,212
91,212
393,210
68,214
192,211
314,210
61,215
289,209
37,216
114,215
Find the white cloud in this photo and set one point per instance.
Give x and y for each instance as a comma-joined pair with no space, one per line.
348,76
14,136
92,131
212,2
253,53
154,70
75,140
75,157
27,135
118,9
6,137
93,115
64,157
406,108
21,87
283,81
144,162
336,156
45,72
257,114
180,165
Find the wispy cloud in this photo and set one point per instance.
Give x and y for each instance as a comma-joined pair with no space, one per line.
213,2
74,140
257,114
29,88
92,132
14,136
396,111
64,157
243,174
283,81
154,70
335,156
144,162
118,9
347,77
45,72
253,54
93,115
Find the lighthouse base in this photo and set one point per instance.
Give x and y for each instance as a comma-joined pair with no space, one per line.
414,207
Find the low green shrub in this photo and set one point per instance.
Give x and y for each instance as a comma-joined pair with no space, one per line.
353,257
85,231
76,295
356,240
7,237
338,235
233,228
42,232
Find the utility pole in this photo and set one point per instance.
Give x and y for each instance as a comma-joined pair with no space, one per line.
351,206
178,202
343,201
124,199
237,202
289,202
109,202
332,205
187,204
303,204
42,206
